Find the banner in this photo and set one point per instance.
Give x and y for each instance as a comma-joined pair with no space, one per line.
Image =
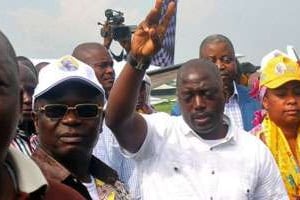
165,56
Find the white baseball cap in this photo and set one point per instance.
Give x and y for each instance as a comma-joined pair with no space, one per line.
62,70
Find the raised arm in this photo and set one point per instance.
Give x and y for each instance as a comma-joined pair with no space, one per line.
128,126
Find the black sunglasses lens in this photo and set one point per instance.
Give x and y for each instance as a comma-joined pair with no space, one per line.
55,111
87,110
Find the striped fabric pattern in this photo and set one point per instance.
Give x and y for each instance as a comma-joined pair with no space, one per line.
22,143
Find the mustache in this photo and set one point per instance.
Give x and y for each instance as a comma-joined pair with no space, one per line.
201,114
224,73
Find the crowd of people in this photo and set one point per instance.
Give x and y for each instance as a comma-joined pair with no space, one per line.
71,130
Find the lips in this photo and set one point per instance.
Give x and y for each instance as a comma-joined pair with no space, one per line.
292,112
27,111
201,118
26,108
108,78
72,138
225,76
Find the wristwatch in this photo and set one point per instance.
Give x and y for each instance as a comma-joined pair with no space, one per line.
141,65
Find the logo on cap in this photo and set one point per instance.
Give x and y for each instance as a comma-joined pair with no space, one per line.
280,68
68,64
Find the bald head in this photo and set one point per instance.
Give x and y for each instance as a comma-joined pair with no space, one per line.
97,56
40,66
26,62
7,53
198,66
82,51
9,95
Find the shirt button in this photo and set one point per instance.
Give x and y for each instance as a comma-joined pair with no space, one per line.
211,198
211,149
213,172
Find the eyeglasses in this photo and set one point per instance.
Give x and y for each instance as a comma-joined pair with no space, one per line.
223,59
58,111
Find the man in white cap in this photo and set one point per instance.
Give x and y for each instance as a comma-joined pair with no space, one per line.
68,111
20,177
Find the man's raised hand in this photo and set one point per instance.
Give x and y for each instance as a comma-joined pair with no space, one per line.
150,33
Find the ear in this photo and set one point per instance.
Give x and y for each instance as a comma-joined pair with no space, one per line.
265,103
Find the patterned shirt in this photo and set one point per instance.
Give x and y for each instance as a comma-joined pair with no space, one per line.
22,142
233,110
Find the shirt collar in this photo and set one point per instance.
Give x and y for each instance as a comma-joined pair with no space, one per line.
235,92
28,174
230,137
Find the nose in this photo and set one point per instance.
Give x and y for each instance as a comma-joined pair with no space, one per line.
199,102
291,99
27,98
71,118
220,64
109,69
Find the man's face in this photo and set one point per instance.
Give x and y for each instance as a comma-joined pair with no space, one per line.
223,56
283,104
27,83
201,100
9,102
101,62
70,134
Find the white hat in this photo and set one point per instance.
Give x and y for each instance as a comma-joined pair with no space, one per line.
64,69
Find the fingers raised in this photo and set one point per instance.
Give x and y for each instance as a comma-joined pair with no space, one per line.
154,15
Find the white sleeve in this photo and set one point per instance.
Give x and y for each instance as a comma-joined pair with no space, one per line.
157,125
270,184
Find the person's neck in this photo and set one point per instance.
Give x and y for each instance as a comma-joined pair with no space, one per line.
229,91
107,93
218,133
290,132
28,127
79,166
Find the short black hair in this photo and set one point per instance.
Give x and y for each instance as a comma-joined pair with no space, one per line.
198,63
215,38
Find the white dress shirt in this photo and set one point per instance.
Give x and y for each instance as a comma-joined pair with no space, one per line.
175,163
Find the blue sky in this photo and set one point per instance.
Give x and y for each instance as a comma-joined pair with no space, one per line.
50,29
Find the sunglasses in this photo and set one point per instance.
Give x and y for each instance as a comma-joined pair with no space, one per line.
58,111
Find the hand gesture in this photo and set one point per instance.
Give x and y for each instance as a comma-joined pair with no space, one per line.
149,35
